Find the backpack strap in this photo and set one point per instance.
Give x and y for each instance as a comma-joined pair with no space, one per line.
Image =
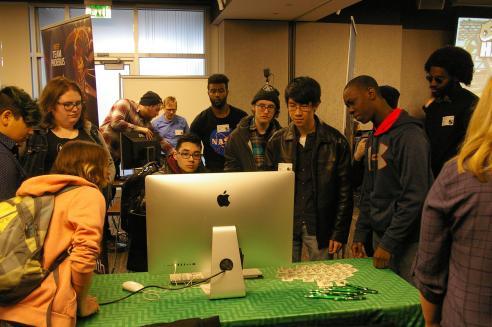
55,265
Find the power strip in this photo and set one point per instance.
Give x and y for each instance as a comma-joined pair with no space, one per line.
196,277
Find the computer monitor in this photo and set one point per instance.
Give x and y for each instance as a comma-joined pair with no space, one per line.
136,150
182,209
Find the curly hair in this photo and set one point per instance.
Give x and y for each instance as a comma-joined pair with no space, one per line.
218,79
21,105
455,60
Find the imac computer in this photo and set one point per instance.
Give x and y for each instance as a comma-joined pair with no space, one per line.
136,150
182,210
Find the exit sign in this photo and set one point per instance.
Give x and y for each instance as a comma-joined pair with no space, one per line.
98,11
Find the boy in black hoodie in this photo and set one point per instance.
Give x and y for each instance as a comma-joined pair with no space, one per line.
396,178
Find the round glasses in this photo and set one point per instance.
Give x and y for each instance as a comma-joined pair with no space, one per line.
266,107
187,155
70,105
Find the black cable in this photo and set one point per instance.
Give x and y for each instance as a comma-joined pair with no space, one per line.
163,288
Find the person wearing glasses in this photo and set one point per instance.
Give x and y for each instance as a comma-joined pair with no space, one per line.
187,158
320,157
127,116
18,114
169,125
214,124
397,176
63,109
450,107
245,150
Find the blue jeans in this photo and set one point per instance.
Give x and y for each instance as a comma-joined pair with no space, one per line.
311,244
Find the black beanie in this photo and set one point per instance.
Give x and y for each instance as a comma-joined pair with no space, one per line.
150,98
268,92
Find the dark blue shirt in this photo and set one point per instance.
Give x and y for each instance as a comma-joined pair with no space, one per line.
304,203
11,172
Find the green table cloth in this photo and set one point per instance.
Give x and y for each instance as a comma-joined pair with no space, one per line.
269,301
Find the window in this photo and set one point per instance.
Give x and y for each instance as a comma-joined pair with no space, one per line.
171,66
170,31
107,93
169,42
114,34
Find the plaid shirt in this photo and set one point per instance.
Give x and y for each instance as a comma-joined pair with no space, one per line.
258,145
123,117
454,261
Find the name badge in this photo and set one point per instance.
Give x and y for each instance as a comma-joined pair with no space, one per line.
178,132
223,128
284,166
447,121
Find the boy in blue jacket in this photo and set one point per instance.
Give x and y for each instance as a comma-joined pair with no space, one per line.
397,177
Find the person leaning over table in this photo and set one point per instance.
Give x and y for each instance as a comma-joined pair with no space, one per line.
127,116
453,269
76,226
396,178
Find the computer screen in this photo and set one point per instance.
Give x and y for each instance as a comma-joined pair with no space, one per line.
136,150
475,36
183,208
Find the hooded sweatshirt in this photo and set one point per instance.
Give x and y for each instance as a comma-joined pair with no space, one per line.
396,180
76,224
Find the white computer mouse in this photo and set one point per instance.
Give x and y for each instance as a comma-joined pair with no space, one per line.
132,286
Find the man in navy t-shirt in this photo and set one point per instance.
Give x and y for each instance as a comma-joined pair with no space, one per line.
214,124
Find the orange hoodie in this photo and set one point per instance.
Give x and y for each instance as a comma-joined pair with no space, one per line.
77,222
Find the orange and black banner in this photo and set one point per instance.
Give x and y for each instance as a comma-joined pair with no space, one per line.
69,51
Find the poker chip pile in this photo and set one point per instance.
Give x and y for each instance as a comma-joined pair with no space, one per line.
323,274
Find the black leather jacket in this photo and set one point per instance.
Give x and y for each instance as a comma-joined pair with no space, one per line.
332,181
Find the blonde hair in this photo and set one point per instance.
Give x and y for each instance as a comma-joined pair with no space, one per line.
475,156
170,99
84,159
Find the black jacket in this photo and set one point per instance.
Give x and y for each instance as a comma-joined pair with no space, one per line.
446,121
238,152
331,177
33,160
396,180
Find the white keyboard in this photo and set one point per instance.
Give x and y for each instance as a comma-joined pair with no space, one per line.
185,278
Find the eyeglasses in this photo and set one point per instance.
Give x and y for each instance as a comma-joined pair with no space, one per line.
269,107
70,105
187,155
438,79
303,107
